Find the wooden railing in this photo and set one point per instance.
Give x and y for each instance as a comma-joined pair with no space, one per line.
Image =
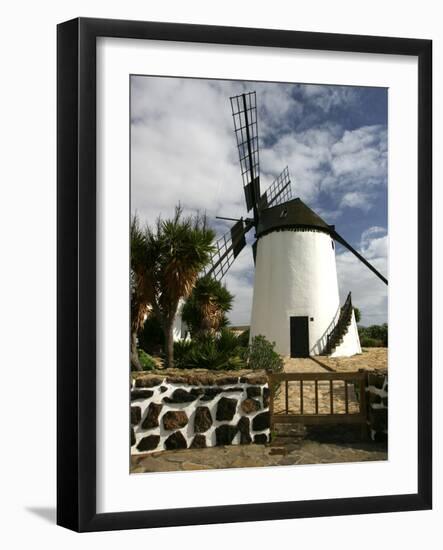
325,407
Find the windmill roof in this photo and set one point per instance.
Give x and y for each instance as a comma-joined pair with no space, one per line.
290,215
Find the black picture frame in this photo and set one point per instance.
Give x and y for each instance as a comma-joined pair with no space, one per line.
76,280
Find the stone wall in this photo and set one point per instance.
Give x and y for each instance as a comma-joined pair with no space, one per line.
196,410
377,397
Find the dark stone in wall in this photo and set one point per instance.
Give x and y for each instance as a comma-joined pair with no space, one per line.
381,437
374,398
174,419
227,380
226,408
175,441
250,405
180,396
261,422
202,419
132,437
151,418
234,389
136,414
163,389
210,393
224,434
243,426
197,391
253,391
199,442
266,396
254,379
377,380
378,419
141,394
261,439
148,443
148,382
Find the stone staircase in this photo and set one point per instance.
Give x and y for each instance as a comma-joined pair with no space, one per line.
335,337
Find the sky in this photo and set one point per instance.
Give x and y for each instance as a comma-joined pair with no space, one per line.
332,138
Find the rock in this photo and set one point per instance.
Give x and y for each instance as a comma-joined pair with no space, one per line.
175,419
175,441
234,389
210,393
163,389
224,434
376,379
261,439
266,397
132,437
261,422
226,380
136,414
202,419
194,466
378,419
151,418
197,391
148,443
199,442
148,381
254,379
180,396
226,408
253,391
374,398
243,426
141,394
250,405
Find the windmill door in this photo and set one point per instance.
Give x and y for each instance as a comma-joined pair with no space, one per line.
299,336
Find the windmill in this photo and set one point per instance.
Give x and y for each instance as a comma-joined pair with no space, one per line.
296,300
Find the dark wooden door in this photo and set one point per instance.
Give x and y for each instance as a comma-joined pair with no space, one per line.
299,336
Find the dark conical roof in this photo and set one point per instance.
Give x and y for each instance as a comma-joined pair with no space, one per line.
290,215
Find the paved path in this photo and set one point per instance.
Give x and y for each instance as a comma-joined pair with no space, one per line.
251,456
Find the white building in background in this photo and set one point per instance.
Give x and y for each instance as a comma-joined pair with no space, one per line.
296,301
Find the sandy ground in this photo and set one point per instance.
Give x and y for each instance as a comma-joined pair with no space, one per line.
369,359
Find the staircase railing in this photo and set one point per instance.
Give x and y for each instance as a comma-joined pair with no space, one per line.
341,326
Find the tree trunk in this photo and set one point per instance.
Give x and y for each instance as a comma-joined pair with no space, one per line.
169,344
135,360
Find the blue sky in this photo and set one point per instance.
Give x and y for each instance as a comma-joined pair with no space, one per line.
333,139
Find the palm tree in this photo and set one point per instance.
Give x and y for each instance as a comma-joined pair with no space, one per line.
205,310
166,262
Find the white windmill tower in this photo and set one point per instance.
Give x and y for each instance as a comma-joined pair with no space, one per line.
296,299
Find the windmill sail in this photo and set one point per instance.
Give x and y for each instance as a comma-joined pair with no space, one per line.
244,113
342,241
228,247
278,192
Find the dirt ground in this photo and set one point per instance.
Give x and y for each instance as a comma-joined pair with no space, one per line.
369,359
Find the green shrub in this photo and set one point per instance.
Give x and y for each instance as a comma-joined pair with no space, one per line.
243,338
210,352
368,342
147,362
261,355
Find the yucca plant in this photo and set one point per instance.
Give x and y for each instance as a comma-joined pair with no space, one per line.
165,263
205,310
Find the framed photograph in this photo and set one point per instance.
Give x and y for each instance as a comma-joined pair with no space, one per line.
244,274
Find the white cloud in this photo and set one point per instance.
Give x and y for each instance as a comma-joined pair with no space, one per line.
369,293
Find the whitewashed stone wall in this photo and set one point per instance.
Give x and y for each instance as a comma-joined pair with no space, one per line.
377,397
192,411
